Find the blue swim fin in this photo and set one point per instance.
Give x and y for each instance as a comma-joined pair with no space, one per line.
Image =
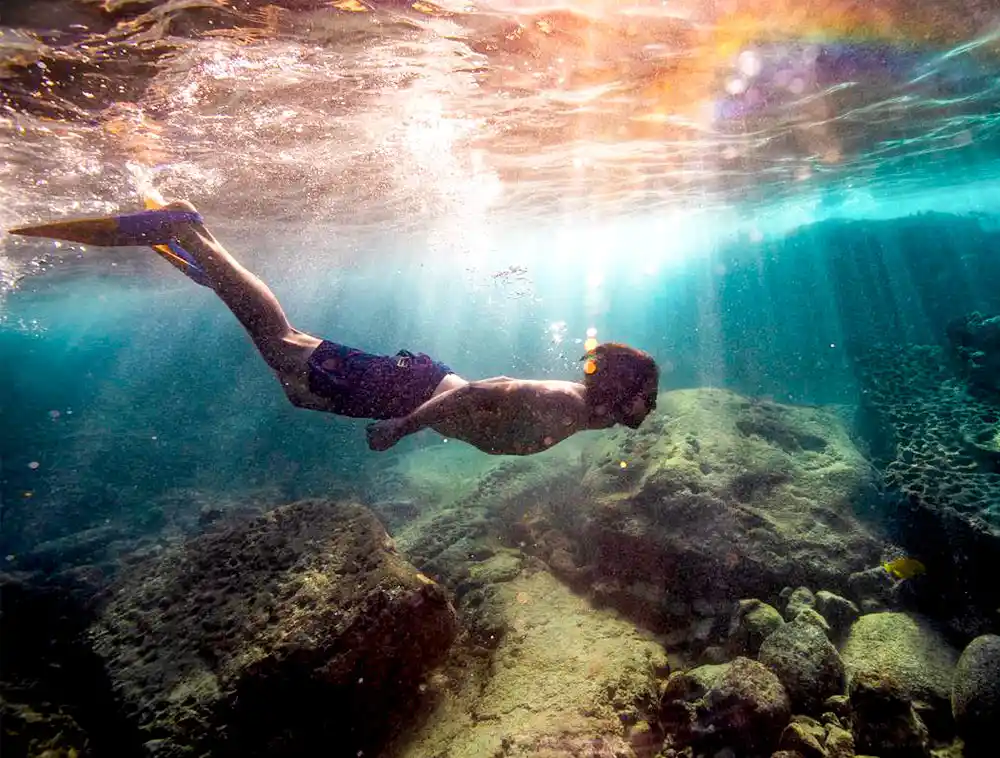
150,227
183,261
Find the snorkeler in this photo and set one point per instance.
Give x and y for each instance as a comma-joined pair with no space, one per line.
407,392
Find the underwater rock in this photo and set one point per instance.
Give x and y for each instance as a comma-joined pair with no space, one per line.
804,736
482,617
839,742
298,628
798,599
741,705
974,340
839,612
755,622
714,655
873,589
837,707
975,696
693,683
910,658
885,723
450,539
806,662
715,497
395,514
90,546
812,616
48,732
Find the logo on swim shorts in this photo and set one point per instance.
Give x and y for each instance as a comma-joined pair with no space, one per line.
403,361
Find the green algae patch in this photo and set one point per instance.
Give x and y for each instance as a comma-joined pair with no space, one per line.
565,676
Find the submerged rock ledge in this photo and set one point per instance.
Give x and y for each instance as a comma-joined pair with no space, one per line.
299,628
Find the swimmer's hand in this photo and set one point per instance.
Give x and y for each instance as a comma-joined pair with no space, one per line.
384,434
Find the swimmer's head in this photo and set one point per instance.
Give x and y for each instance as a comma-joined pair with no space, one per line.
621,382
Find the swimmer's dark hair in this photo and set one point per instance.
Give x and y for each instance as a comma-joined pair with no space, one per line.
621,373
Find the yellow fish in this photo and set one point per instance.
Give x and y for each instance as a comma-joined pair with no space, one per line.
904,568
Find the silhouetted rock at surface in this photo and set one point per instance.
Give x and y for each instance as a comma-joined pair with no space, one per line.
299,630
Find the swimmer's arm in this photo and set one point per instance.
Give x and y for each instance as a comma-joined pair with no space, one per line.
494,380
465,401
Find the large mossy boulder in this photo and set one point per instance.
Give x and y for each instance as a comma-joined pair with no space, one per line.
716,497
284,635
909,657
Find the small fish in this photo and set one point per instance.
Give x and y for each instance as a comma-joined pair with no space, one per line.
904,568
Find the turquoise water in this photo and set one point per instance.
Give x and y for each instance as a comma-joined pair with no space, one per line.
126,387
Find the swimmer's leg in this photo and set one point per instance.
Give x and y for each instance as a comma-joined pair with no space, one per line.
285,348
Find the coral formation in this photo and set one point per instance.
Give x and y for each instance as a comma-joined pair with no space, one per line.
926,428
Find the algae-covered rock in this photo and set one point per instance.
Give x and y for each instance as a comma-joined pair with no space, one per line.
723,497
837,709
813,617
909,656
55,699
742,706
885,723
838,611
693,683
25,731
798,600
839,742
873,589
806,662
804,736
298,627
755,622
714,498
975,696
